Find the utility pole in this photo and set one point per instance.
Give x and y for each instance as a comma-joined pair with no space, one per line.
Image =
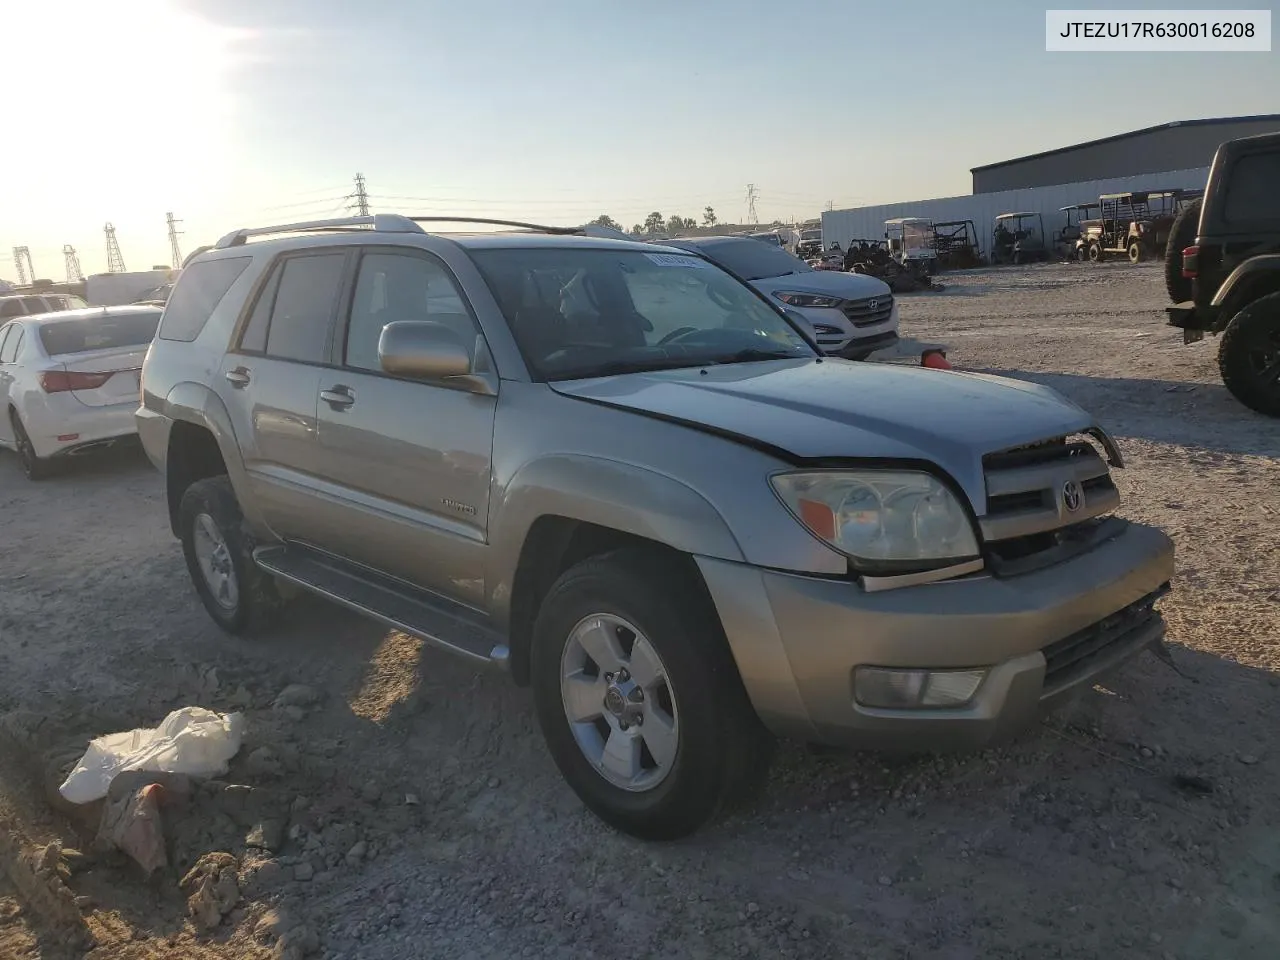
115,259
22,263
72,261
360,199
752,193
174,252
830,205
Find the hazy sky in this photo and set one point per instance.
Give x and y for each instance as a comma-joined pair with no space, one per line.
236,112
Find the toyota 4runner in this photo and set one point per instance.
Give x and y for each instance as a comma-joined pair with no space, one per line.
1232,269
633,481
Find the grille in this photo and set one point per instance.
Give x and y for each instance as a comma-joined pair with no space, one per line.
1088,650
1039,489
862,314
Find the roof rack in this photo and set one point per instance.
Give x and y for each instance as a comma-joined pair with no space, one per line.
397,223
387,222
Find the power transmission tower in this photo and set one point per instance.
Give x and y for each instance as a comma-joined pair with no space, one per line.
22,263
115,259
72,261
174,252
360,199
752,193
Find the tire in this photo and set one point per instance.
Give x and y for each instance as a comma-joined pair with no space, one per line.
710,750
1095,253
35,467
253,602
1181,235
1135,251
1249,355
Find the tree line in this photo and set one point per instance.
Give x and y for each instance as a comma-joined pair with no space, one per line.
656,223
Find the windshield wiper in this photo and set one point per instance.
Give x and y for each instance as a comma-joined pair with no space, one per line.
616,367
752,354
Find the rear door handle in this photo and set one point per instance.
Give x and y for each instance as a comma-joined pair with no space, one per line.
238,377
338,397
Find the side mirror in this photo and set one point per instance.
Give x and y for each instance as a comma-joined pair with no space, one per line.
422,350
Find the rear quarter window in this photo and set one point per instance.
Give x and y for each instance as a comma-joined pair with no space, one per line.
198,292
1253,189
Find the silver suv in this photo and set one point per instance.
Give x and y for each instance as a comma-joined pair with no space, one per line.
632,481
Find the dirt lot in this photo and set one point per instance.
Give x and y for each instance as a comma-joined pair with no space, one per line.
424,817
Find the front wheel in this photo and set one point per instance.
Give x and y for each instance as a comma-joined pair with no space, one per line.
1249,355
1135,252
639,699
240,596
1095,253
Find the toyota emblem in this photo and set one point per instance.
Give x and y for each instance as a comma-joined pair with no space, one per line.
1072,496
872,304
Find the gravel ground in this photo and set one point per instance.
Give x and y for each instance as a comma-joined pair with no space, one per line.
415,812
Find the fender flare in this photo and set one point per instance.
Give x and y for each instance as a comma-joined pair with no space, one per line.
608,493
1235,288
194,403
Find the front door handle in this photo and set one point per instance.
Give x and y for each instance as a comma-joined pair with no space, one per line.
338,397
238,377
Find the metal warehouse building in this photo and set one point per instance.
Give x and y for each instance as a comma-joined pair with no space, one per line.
1168,156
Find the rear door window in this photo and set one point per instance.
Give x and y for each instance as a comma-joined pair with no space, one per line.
8,343
304,307
199,290
35,305
11,308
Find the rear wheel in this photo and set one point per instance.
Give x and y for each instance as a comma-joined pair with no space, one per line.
639,699
1135,251
1095,253
1181,235
1249,355
35,467
240,596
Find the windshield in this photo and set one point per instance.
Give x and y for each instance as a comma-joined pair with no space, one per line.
753,260
580,312
99,333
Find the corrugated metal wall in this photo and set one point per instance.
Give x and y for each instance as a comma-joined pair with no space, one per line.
868,222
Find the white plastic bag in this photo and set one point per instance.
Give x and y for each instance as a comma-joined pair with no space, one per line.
192,741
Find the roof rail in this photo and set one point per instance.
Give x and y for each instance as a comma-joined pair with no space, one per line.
386,222
539,227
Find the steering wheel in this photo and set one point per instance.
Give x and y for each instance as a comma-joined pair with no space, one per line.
676,334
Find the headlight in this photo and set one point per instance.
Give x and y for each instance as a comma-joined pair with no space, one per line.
903,519
808,300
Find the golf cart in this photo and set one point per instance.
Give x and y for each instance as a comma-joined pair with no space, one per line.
1136,224
911,242
956,243
1018,238
1069,234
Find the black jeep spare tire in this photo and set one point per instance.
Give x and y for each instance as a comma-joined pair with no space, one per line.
1181,235
638,696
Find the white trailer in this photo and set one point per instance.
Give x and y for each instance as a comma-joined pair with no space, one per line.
114,289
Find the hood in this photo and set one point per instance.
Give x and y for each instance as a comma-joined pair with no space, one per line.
833,283
835,408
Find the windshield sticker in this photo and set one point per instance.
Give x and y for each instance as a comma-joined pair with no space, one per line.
675,260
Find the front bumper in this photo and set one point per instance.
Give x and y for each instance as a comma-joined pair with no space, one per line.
798,639
861,348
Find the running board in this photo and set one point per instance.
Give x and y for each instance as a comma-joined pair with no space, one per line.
397,604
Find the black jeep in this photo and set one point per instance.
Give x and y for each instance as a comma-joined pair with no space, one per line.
1233,265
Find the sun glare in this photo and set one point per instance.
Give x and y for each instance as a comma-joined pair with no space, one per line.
141,84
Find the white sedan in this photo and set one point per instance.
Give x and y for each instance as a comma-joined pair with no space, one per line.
69,381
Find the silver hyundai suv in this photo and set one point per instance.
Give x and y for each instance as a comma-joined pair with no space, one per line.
632,481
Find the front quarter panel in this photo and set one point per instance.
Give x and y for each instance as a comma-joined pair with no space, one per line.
697,493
